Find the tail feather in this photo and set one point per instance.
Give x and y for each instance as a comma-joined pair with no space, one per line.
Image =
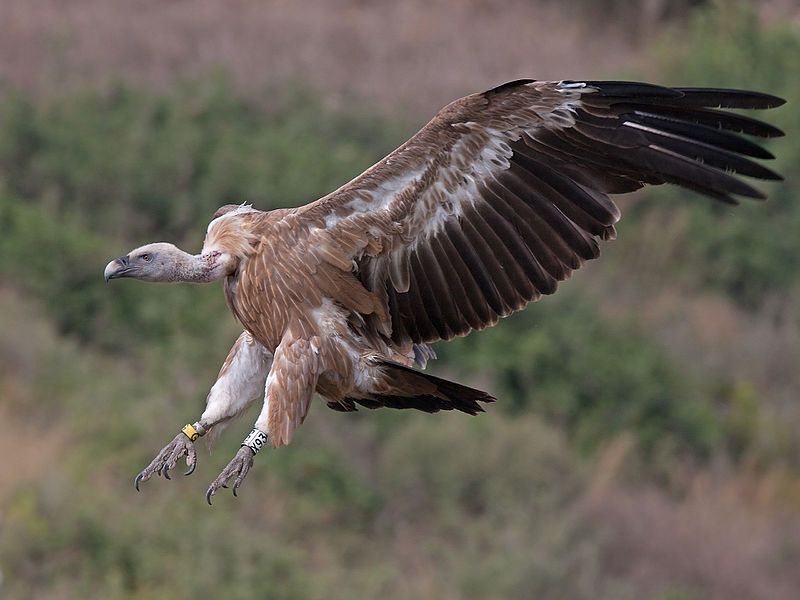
409,388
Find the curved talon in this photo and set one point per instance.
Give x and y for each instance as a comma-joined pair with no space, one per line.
167,459
238,484
191,460
240,478
238,467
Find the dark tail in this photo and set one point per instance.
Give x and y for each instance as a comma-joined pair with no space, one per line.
409,388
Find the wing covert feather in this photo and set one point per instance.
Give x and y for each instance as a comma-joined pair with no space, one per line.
505,193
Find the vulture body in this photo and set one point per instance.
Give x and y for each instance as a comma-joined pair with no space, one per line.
497,199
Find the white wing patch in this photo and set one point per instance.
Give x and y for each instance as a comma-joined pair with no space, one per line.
377,199
456,187
482,151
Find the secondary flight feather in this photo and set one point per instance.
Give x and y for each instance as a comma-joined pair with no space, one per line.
497,199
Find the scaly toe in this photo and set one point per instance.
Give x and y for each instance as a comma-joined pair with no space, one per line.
239,466
168,458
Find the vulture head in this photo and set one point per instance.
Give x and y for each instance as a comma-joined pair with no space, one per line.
154,262
163,262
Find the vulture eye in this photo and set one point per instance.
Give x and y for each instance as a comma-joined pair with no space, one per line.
146,257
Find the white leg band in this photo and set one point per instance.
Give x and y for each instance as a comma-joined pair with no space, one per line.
255,440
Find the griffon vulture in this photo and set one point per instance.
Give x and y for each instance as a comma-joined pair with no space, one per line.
501,196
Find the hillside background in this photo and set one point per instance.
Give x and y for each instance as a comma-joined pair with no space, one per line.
645,444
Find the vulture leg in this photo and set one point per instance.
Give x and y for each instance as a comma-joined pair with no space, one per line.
238,384
287,396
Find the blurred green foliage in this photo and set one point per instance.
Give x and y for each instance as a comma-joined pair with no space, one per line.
597,377
755,256
315,520
130,162
473,508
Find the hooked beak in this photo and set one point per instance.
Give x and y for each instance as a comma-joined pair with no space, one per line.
119,267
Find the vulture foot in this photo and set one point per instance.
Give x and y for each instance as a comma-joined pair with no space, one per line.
239,466
168,458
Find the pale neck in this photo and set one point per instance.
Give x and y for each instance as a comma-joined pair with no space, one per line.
196,268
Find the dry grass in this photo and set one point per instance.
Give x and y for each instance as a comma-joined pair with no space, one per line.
727,536
34,450
414,54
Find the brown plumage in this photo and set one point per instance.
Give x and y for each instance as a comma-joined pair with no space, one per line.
497,199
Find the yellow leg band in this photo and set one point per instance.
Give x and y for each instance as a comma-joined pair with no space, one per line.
190,432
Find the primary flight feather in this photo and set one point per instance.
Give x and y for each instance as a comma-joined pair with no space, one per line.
501,196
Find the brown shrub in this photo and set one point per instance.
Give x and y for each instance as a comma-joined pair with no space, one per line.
727,536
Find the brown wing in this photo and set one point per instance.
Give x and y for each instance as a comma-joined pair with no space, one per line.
503,194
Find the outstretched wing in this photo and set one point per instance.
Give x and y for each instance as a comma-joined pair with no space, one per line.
504,193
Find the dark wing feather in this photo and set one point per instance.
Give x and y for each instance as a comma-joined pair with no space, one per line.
503,194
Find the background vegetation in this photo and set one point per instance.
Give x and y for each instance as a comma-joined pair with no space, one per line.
645,443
